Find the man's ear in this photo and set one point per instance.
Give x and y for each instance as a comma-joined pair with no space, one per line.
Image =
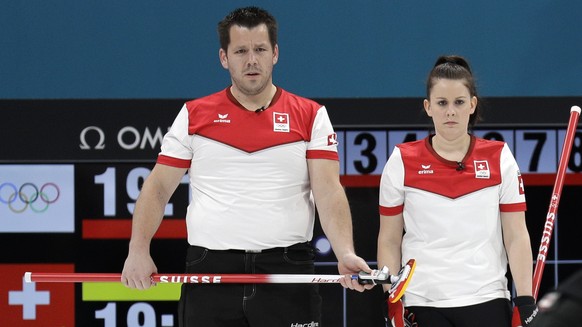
223,58
275,54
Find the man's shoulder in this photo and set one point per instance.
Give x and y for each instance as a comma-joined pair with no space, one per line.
214,98
295,98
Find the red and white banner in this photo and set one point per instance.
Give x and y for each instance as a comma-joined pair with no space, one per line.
35,304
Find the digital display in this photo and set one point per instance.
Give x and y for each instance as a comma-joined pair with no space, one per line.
536,151
67,207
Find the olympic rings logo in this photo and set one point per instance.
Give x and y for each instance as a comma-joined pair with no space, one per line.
28,195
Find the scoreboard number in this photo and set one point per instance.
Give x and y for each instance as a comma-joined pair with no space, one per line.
133,183
536,151
575,162
366,152
139,314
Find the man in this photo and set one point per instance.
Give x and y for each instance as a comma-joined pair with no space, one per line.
258,157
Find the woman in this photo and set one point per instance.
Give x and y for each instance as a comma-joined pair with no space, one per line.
456,204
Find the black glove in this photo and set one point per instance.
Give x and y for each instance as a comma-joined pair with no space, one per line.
524,311
396,315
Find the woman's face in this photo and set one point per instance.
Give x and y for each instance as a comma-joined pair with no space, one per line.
450,105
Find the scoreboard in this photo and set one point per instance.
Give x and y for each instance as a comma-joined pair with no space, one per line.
536,150
71,171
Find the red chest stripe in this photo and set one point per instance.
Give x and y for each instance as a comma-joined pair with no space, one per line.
425,170
219,117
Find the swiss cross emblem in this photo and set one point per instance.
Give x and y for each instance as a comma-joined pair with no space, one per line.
521,187
281,118
24,303
281,122
332,139
482,169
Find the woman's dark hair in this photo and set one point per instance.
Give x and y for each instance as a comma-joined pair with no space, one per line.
248,17
455,68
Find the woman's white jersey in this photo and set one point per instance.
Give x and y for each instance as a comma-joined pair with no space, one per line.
452,219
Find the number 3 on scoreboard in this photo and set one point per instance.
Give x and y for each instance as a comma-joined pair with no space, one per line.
365,152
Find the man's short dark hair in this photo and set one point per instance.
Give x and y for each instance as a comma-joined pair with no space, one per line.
248,17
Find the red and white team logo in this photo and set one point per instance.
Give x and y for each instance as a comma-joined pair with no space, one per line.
521,187
280,122
482,169
36,304
332,139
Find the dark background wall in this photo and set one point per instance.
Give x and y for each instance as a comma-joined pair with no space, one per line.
98,152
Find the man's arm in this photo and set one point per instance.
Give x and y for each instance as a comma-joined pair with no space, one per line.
147,217
335,217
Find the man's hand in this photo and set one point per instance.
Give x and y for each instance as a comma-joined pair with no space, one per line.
137,271
350,264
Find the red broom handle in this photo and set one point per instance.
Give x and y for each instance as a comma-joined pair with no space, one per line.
185,278
555,200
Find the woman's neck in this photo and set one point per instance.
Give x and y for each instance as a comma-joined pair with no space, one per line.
454,150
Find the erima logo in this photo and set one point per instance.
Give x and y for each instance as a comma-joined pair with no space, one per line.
309,324
425,170
222,119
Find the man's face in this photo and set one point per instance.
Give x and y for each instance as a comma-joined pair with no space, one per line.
250,59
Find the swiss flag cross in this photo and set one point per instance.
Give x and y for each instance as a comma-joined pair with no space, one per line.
481,165
332,139
280,118
521,187
36,304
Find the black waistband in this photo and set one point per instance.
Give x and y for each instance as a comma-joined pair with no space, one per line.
294,247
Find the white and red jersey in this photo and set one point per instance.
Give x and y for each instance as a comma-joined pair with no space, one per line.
452,219
248,170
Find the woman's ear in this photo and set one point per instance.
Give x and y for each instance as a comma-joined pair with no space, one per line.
473,104
426,104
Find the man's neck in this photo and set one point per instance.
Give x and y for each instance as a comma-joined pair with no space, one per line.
258,101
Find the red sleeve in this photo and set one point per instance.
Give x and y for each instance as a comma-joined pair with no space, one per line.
391,211
322,154
512,207
174,162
